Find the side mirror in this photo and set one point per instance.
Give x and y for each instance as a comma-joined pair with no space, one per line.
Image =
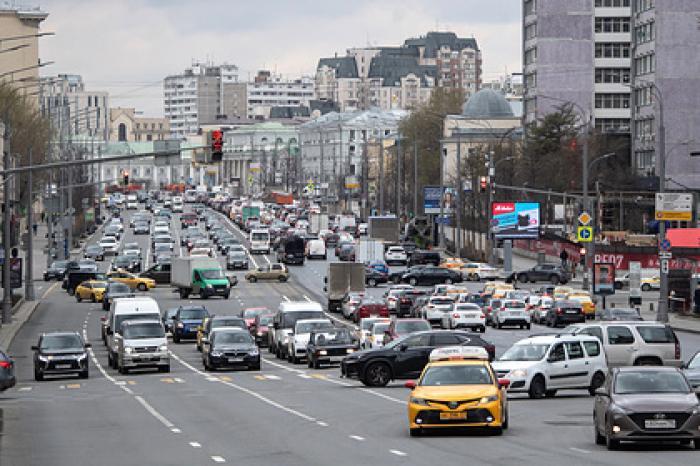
88,345
35,348
503,383
601,392
410,384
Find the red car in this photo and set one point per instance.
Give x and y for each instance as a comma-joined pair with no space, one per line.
260,328
188,219
400,327
370,307
249,314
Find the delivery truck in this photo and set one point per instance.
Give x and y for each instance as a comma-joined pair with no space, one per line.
343,278
199,275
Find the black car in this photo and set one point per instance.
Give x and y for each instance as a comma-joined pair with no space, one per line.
60,353
236,260
141,228
551,273
432,276
395,277
330,346
405,300
95,252
115,290
215,321
127,263
159,272
226,242
373,277
230,348
56,271
405,357
422,257
563,313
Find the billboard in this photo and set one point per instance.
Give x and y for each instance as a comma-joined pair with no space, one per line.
603,278
433,196
515,220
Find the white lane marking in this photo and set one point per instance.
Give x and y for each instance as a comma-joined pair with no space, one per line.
163,420
268,260
128,390
175,430
195,445
24,389
322,424
272,377
398,453
218,459
357,437
579,450
247,391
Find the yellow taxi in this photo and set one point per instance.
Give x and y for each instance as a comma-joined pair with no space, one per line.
650,283
93,290
562,292
458,388
134,281
584,299
497,289
452,263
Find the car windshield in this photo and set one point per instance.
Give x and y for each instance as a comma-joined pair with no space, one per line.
695,362
61,342
379,329
99,285
625,313
251,313
122,260
118,288
366,324
236,255
514,304
335,337
467,307
260,236
627,383
162,247
232,338
265,320
212,274
228,323
308,327
192,314
290,318
59,264
93,248
457,375
150,330
525,353
441,301
405,327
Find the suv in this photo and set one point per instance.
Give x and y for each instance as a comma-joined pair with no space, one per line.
541,365
635,343
421,257
543,272
143,344
511,312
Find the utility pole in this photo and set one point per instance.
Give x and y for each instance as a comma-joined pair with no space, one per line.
588,261
70,210
381,172
399,175
29,262
6,238
662,313
441,225
322,168
415,177
459,194
365,179
491,167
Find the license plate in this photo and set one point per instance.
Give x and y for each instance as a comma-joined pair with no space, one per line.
571,312
64,366
452,416
235,359
660,423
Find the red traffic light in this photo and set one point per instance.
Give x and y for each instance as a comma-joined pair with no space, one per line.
483,183
217,145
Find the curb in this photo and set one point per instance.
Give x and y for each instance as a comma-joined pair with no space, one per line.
17,323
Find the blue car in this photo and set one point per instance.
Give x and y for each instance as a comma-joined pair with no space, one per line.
379,266
187,321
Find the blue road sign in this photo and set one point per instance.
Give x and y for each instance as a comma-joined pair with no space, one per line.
665,245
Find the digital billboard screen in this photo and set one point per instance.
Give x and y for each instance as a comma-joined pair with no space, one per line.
515,220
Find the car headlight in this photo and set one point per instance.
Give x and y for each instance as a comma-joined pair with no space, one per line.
350,350
323,352
44,358
216,354
418,401
488,399
82,356
128,350
163,348
209,285
180,325
260,334
253,352
519,373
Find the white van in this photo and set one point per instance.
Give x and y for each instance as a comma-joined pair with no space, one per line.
143,344
178,205
316,248
123,309
259,242
283,323
132,201
541,365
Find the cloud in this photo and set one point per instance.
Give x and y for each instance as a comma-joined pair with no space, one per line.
128,46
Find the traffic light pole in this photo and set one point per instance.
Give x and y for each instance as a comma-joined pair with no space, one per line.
6,238
29,257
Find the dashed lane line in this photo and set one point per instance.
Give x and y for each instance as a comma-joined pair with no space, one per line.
398,453
218,459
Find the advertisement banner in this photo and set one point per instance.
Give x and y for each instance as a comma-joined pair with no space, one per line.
603,279
515,220
15,272
434,196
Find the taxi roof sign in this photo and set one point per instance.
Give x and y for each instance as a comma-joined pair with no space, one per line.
459,353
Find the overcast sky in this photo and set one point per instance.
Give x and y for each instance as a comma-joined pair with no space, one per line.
127,47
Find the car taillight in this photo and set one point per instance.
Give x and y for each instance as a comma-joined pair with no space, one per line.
559,311
455,315
5,364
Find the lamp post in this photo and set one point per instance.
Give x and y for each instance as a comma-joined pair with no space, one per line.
492,165
590,247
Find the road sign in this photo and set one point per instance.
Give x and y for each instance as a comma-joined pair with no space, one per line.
665,245
585,218
585,234
674,206
665,255
664,266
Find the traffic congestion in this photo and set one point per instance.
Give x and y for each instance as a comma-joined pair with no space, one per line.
273,314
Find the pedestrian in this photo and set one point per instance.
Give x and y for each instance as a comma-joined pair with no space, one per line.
34,227
43,216
696,299
564,256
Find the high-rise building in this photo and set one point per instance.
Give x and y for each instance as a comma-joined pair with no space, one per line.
666,77
203,94
20,57
578,51
74,110
270,91
400,77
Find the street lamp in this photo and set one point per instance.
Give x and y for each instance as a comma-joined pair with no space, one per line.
491,166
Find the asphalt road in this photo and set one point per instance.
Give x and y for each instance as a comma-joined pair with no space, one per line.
284,414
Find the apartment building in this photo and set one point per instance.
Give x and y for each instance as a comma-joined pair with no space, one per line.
269,91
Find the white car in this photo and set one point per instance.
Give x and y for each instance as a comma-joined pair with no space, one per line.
201,252
296,345
396,255
390,295
436,308
109,244
511,312
539,305
365,327
376,334
477,271
118,223
161,228
465,315
541,365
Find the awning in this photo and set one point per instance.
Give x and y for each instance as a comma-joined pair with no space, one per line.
684,237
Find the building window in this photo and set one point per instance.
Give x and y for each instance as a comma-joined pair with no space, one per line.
531,56
646,162
645,33
612,3
613,125
645,130
149,137
612,50
612,101
620,24
643,96
530,7
643,5
612,75
122,132
645,64
531,31
148,172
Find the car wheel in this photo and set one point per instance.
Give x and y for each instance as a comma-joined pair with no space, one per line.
554,280
537,387
176,339
596,382
252,279
611,443
94,298
599,439
46,278
528,326
142,287
550,393
377,375
38,375
522,277
372,282
413,282
317,364
282,279
396,280
85,374
78,298
646,287
505,421
310,363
